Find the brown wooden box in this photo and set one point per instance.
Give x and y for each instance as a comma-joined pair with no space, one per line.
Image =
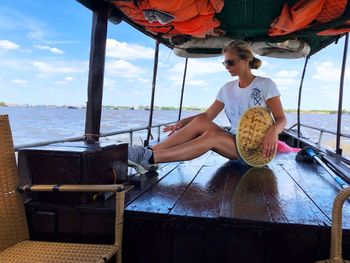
72,163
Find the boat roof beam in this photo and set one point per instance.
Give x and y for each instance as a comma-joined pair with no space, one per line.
338,150
299,98
96,74
183,88
154,81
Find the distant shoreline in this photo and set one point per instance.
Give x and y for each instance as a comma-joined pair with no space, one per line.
142,107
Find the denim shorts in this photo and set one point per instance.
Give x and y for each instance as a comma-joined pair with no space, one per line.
240,161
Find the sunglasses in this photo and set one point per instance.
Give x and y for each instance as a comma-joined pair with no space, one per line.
230,63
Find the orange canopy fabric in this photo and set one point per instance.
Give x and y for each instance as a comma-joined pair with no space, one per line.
302,13
331,9
336,31
191,17
299,16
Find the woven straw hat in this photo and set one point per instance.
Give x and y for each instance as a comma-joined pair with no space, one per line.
251,131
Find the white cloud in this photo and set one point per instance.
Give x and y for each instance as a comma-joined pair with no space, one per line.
58,68
65,81
109,83
265,62
326,71
69,79
122,68
127,51
286,82
287,74
198,67
261,73
177,81
37,31
200,83
144,80
51,49
6,44
12,19
20,81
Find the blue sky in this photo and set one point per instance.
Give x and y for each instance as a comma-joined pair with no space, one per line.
44,54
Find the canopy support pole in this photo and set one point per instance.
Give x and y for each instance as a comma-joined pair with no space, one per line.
155,70
338,150
183,88
96,75
299,98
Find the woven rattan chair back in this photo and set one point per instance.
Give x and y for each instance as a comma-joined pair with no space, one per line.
13,224
15,245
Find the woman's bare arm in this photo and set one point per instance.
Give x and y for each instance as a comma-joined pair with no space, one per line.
210,113
270,141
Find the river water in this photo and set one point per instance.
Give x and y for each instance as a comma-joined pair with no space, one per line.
35,124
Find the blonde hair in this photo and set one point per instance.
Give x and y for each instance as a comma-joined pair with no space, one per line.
244,51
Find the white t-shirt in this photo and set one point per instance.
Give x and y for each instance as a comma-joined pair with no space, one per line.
237,100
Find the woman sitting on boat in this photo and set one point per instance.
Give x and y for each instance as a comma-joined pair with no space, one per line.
194,136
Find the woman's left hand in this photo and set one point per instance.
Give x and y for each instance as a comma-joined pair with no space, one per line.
270,143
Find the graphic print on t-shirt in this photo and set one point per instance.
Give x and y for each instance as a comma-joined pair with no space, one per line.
256,96
237,100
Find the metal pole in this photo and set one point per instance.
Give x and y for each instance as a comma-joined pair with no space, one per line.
299,98
338,150
96,74
155,69
183,88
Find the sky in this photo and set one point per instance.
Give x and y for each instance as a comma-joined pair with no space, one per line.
44,57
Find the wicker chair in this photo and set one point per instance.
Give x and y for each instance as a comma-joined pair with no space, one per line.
336,234
15,245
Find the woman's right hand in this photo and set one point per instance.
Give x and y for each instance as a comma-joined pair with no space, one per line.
174,127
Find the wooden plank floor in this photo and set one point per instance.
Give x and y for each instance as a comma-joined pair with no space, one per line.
213,210
212,187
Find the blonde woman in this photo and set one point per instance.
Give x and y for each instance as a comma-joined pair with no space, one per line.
194,136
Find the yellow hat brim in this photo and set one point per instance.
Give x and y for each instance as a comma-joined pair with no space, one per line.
251,131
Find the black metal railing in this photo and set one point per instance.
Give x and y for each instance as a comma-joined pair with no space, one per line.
321,130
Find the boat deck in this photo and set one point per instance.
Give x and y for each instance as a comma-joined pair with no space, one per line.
285,191
213,210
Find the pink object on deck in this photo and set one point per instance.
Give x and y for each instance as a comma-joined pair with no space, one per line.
282,147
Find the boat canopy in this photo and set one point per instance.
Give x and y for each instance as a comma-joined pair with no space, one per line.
200,28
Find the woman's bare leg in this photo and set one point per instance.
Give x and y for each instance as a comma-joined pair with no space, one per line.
195,128
220,142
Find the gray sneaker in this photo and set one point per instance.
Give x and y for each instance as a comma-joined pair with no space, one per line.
139,169
138,157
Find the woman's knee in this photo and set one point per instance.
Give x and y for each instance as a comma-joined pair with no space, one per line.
201,123
201,119
221,143
210,136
